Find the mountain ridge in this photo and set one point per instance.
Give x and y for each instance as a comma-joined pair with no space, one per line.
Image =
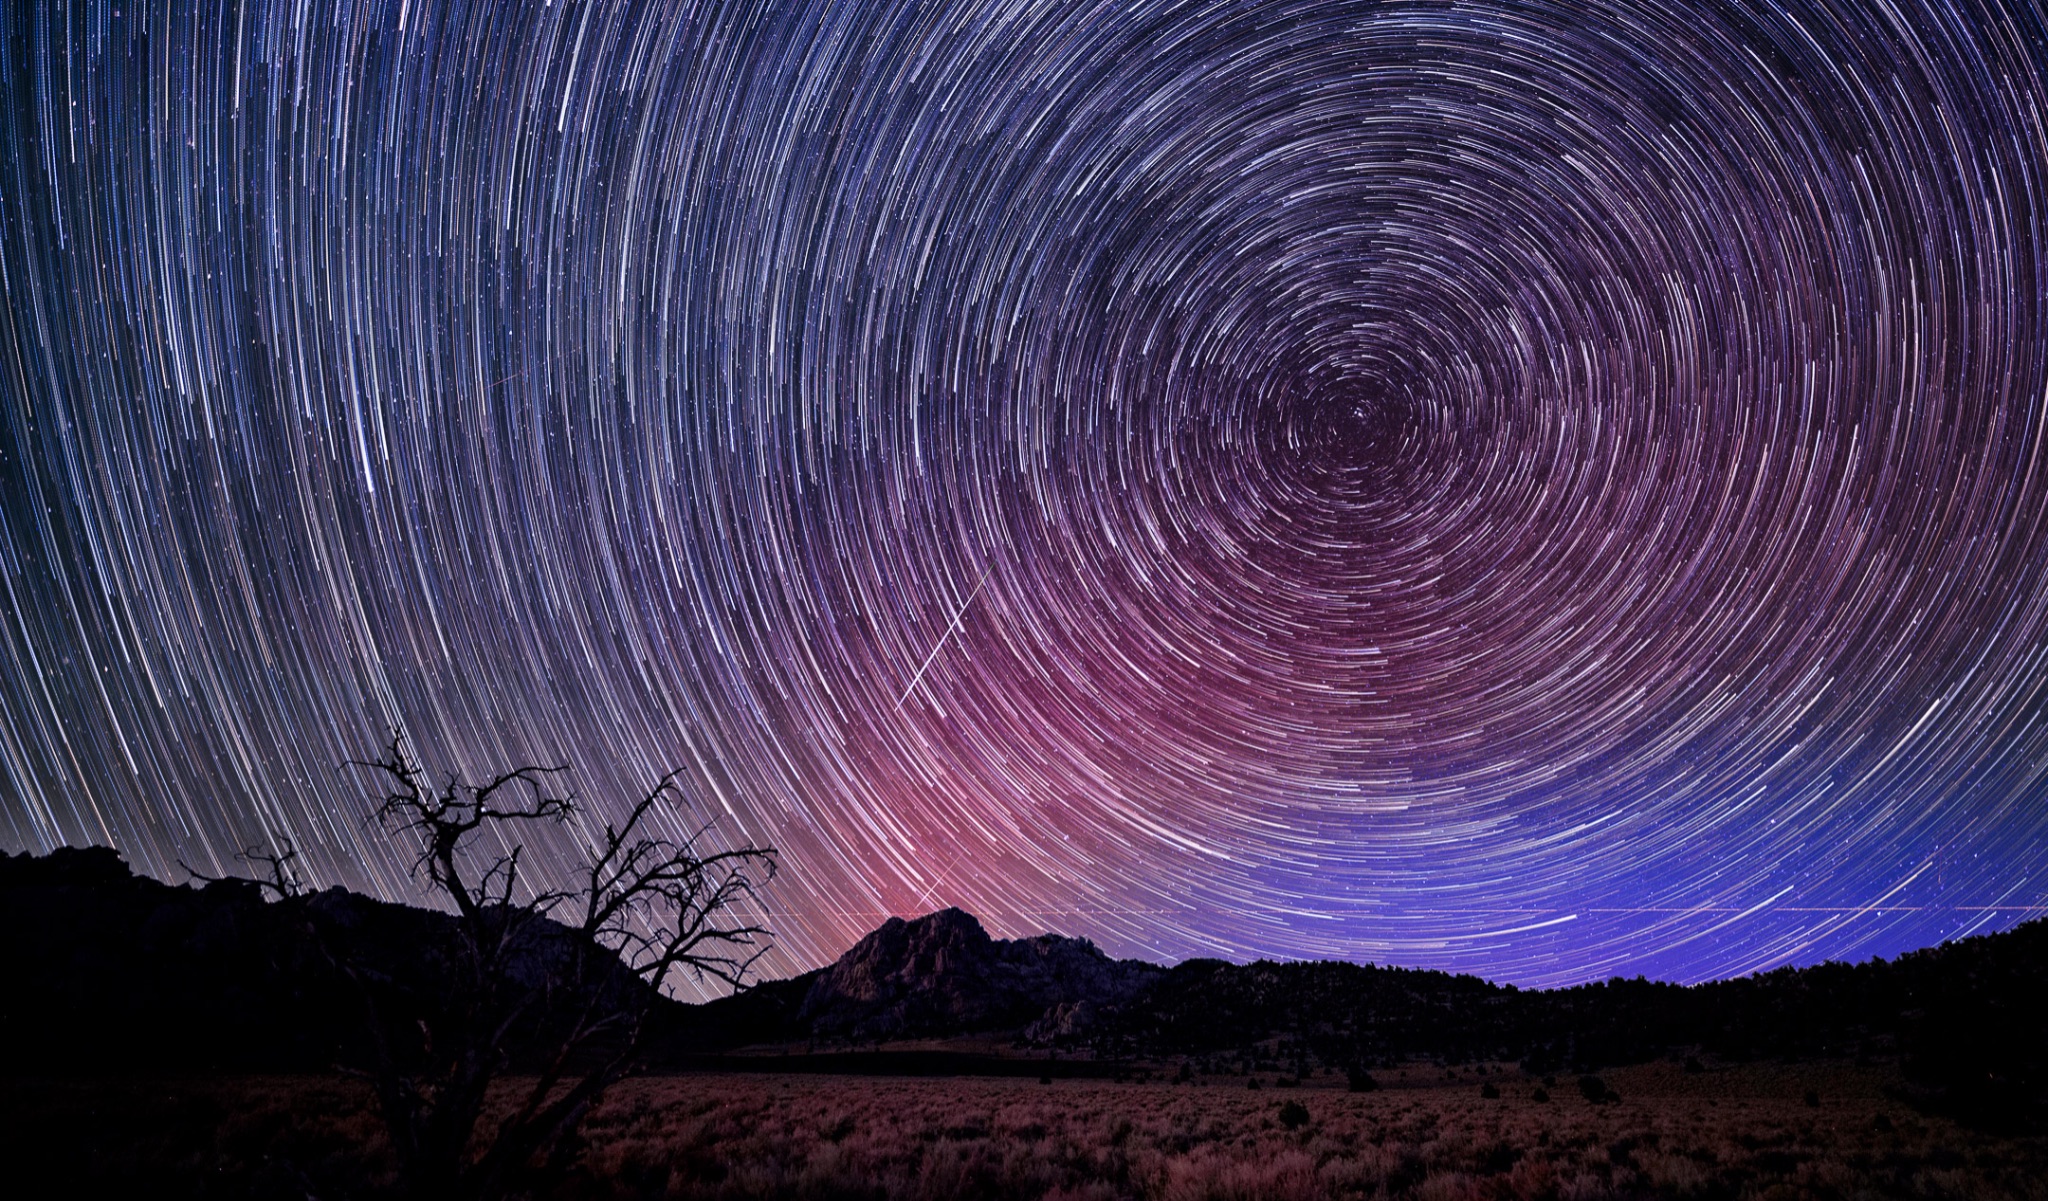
117,970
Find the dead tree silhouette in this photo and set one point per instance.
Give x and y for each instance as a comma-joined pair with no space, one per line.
563,980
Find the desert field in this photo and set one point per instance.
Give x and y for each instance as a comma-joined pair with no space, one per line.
1751,1131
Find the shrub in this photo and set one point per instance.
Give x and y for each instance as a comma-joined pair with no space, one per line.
1294,1115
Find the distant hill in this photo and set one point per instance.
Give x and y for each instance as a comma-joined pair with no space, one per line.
106,970
109,970
1963,1019
939,976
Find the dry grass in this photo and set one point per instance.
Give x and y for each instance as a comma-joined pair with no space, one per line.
1745,1132
1733,1133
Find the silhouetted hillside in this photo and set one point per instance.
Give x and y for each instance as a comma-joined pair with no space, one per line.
108,969
1961,1018
938,976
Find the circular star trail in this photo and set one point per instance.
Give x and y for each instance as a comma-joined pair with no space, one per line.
1532,488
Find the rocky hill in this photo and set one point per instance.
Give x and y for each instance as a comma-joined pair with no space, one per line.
938,976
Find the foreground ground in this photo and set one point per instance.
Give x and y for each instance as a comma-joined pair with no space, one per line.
1761,1131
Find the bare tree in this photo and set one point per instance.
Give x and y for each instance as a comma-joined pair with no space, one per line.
280,876
572,973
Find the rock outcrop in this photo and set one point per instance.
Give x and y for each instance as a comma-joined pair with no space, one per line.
942,974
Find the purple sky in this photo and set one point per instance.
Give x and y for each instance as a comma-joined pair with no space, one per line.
1541,489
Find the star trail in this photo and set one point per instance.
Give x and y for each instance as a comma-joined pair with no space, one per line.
1548,490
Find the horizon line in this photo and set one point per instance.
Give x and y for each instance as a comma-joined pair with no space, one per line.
886,913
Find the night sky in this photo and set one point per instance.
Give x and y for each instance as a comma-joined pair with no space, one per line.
1550,490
